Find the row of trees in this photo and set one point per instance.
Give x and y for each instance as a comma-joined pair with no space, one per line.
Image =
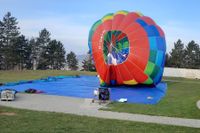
18,52
184,57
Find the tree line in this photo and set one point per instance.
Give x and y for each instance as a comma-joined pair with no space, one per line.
18,53
184,57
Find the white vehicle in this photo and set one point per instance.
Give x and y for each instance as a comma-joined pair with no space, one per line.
8,95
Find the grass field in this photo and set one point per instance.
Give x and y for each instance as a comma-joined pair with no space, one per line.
180,101
19,121
10,76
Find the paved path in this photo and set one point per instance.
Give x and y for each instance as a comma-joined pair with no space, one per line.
80,106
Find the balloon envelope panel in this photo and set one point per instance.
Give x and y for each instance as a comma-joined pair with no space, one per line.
127,48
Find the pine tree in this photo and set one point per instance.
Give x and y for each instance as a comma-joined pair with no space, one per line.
44,38
9,33
192,55
43,60
33,53
54,55
41,44
28,59
59,59
88,64
198,59
1,46
72,62
177,55
21,52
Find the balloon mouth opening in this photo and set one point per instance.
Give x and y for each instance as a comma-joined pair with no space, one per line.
115,47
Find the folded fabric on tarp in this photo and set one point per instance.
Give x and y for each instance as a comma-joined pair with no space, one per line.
84,86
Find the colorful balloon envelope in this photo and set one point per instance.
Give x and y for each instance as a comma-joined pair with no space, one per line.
127,48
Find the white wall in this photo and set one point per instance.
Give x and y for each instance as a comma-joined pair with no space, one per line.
182,72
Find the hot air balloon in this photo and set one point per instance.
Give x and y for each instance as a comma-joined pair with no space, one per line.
128,48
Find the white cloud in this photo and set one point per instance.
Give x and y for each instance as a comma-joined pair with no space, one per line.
73,36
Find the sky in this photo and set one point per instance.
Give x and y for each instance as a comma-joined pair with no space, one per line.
70,20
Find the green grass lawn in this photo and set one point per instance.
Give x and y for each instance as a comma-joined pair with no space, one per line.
10,76
23,121
180,101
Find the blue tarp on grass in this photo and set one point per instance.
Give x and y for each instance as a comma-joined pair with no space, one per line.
83,87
